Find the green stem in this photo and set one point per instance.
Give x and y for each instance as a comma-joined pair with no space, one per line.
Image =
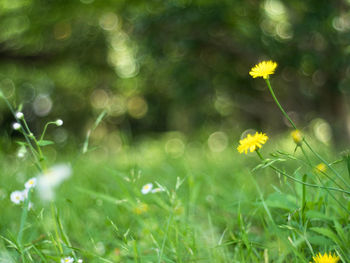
23,221
326,163
58,239
304,140
278,104
45,128
259,154
41,156
300,181
37,163
303,199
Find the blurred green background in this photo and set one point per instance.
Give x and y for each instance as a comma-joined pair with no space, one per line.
181,65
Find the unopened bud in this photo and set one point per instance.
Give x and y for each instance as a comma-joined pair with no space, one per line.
297,137
16,126
19,115
59,122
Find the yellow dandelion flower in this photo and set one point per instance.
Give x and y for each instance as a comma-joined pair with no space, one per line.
297,137
321,168
325,258
252,143
263,69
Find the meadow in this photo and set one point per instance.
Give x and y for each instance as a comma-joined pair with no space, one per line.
242,197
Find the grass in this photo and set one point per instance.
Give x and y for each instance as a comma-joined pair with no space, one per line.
214,210
277,206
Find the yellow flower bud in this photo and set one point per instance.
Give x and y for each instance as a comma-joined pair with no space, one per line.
321,168
297,137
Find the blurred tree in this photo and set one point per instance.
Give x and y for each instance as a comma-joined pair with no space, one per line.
180,64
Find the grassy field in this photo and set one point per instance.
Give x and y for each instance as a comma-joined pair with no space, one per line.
213,208
172,199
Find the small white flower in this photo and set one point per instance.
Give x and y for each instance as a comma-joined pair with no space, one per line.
59,122
146,188
67,260
52,178
16,126
157,190
31,183
19,115
80,261
25,193
17,197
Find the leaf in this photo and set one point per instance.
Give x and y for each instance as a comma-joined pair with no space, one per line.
327,233
45,142
104,197
318,240
340,231
347,160
267,163
21,143
312,214
283,201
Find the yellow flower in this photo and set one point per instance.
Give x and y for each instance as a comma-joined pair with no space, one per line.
321,168
252,143
297,137
140,208
263,69
325,258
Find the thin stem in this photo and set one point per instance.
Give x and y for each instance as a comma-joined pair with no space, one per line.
300,181
304,140
259,154
278,104
326,163
58,242
45,128
303,199
41,156
37,162
23,221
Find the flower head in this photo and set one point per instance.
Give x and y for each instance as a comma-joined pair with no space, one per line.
31,183
52,178
297,137
252,143
17,197
16,126
19,115
59,122
67,260
321,168
263,69
146,188
140,208
325,258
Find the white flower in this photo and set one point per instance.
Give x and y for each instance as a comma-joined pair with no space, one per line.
25,193
59,122
17,197
80,261
19,115
157,190
67,260
16,126
52,178
31,183
146,188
